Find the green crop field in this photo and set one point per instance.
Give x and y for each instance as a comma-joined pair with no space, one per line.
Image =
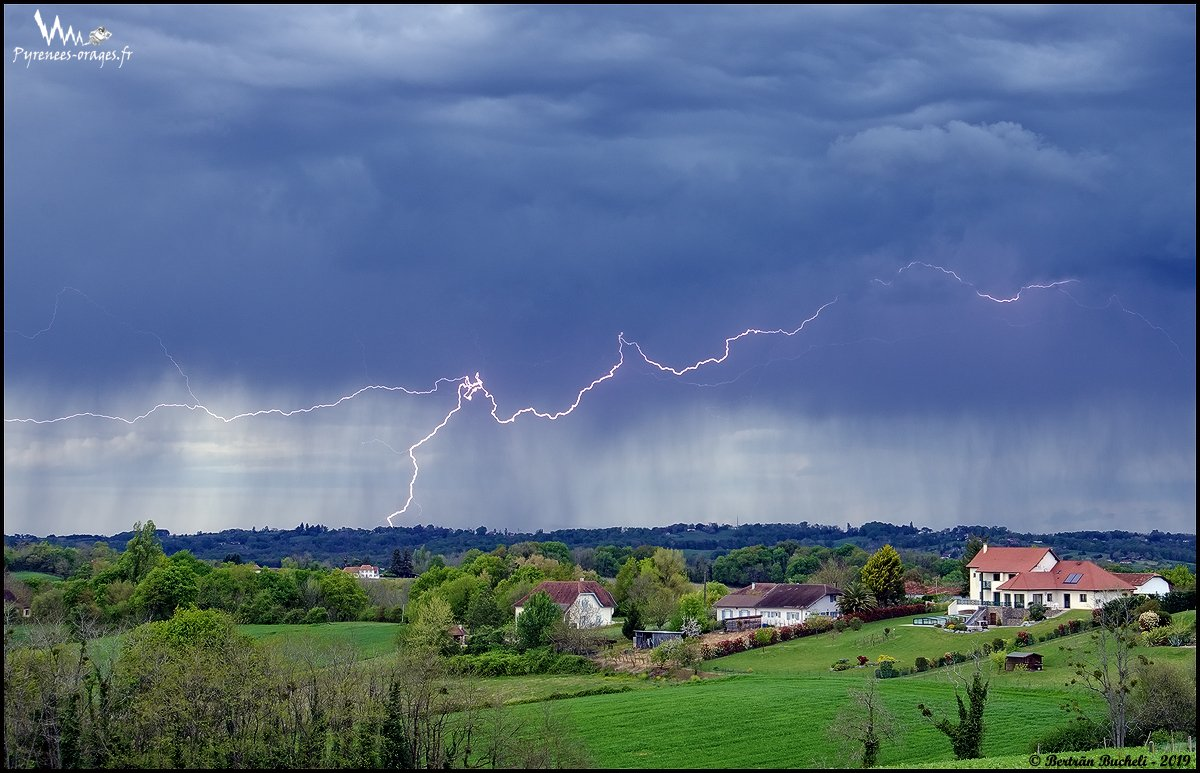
366,640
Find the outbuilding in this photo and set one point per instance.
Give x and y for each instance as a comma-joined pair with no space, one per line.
1031,660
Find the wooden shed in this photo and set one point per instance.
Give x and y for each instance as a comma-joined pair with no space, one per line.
644,640
1031,661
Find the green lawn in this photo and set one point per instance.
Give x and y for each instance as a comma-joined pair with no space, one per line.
815,654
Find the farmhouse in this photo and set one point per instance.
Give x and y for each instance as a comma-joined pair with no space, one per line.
364,572
779,603
585,603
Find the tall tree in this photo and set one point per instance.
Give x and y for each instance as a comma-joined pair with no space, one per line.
537,620
883,575
972,548
1108,666
142,553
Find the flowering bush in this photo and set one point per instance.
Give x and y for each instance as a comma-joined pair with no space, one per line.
1148,621
863,660
1024,639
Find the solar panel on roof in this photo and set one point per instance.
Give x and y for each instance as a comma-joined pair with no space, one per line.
1073,578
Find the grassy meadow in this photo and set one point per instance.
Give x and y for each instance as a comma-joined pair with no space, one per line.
766,708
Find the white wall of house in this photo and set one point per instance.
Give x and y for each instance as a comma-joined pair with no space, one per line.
984,584
1155,586
777,616
1080,599
586,608
1046,564
587,612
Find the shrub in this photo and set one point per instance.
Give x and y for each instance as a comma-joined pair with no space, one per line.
1037,611
317,615
1024,638
999,645
841,665
856,624
922,663
1078,735
503,663
1148,621
1075,626
863,660
764,636
998,659
1179,600
819,624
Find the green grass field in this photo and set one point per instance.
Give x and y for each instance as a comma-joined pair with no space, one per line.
775,704
25,576
815,654
367,640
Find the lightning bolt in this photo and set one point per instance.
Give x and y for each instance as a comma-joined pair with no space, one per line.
467,388
978,292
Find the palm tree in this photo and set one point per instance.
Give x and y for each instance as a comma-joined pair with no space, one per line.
856,598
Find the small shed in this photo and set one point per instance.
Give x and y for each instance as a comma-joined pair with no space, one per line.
1031,661
459,634
645,640
748,623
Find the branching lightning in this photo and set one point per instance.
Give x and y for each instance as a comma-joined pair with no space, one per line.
467,388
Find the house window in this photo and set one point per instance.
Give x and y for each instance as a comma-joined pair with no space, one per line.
793,615
986,584
1082,597
1019,600
1037,598
996,576
1007,598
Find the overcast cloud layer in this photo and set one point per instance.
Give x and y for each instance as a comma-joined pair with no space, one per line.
272,208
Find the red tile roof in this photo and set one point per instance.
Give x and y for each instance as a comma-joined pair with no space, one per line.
564,592
1007,559
1091,578
1135,579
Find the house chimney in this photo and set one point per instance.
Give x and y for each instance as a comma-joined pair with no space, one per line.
984,549
752,585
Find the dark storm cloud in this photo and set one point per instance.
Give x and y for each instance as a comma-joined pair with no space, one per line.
301,201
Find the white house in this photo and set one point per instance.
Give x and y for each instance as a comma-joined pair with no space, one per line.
1069,585
585,603
1145,583
992,567
779,603
364,572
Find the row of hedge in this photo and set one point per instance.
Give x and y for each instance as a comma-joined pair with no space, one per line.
885,613
535,661
763,637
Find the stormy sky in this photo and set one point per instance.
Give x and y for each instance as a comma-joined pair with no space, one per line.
271,208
